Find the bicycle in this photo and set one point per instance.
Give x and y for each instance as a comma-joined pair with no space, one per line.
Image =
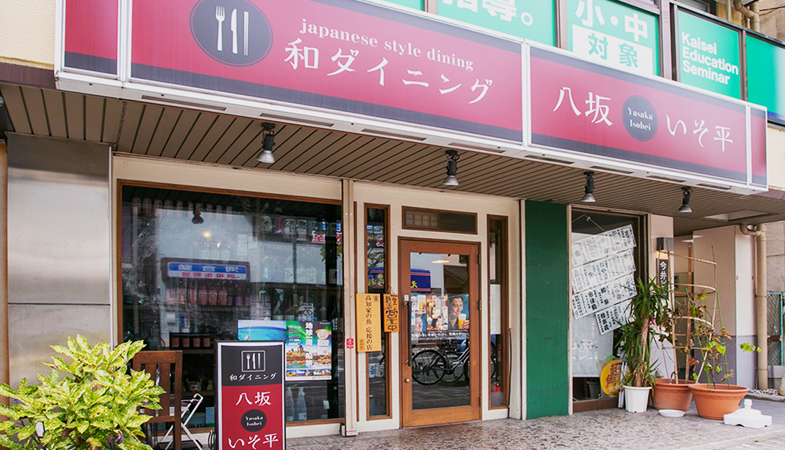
431,366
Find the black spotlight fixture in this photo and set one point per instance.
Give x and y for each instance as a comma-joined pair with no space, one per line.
268,142
588,191
452,168
686,193
197,220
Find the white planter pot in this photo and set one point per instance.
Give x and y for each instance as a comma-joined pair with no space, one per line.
636,399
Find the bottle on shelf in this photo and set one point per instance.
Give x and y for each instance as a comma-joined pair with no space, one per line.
193,292
182,292
230,294
212,295
289,402
301,409
222,294
203,295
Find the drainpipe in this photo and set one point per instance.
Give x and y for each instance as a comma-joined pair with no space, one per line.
750,13
759,233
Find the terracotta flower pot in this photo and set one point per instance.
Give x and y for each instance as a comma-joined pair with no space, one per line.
672,394
715,403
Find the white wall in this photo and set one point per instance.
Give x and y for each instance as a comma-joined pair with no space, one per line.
27,32
775,256
719,245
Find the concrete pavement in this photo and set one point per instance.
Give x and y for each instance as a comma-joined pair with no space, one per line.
610,429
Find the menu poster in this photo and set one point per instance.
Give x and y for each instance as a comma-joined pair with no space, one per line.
390,313
369,323
308,350
249,395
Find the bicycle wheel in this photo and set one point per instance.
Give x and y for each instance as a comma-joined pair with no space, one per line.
454,371
428,367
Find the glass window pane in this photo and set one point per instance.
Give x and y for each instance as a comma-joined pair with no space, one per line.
376,257
440,330
198,267
498,304
608,245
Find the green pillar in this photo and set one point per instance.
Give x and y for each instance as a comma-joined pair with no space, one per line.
547,310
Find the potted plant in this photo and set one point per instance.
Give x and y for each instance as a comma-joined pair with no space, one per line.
95,406
648,309
716,397
672,393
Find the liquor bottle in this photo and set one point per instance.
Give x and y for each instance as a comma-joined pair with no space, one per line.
171,294
203,294
301,409
231,292
193,292
212,295
182,292
289,405
222,294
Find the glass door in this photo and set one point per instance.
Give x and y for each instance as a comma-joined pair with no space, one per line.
440,333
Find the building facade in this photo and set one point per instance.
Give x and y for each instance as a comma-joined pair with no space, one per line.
194,171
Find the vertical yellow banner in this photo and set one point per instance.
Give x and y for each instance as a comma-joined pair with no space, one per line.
390,313
369,323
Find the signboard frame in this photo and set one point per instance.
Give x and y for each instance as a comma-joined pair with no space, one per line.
121,86
635,168
257,377
676,9
777,117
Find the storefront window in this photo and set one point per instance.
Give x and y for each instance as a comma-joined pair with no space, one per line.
199,267
376,260
606,260
497,270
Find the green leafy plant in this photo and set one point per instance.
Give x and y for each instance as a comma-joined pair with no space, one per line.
648,311
711,341
96,406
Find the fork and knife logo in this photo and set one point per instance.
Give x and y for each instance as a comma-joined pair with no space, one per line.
220,16
232,32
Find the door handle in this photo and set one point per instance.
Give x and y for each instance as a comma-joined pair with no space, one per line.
407,380
409,337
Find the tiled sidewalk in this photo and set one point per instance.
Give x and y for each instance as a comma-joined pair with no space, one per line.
606,430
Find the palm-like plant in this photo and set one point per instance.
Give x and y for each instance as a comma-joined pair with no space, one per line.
648,310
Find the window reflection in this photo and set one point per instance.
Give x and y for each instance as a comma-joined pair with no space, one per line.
198,267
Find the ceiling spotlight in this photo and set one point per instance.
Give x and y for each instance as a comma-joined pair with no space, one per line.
197,220
452,168
268,142
685,200
588,191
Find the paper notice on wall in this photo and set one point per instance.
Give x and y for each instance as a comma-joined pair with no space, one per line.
601,297
602,245
611,318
